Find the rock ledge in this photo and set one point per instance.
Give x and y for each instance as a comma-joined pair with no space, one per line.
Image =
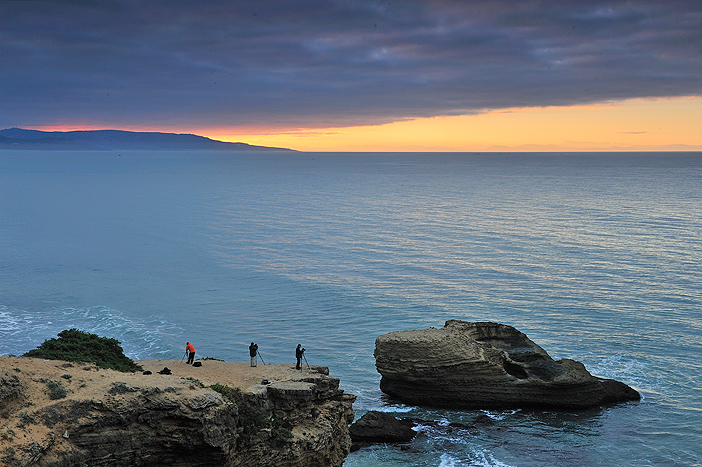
106,418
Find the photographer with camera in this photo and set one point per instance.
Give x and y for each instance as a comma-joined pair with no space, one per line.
299,354
253,351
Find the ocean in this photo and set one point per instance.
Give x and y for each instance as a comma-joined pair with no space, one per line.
595,256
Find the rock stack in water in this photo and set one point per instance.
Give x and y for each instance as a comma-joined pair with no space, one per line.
486,366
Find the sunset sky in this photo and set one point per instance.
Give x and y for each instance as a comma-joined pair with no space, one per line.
354,75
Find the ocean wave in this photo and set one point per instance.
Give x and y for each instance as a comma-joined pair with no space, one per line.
626,368
448,461
394,408
499,415
485,459
23,330
478,458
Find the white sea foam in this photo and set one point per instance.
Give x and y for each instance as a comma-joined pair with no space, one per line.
140,338
485,459
478,458
392,408
419,428
632,371
499,415
448,461
8,322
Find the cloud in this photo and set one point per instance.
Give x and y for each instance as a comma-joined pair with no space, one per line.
333,63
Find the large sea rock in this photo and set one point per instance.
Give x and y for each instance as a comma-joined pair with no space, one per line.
486,366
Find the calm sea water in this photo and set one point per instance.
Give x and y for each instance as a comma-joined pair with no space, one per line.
596,257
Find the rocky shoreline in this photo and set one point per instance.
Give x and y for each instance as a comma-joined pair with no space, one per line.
59,414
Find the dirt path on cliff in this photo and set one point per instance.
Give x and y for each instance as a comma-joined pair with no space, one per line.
233,374
85,381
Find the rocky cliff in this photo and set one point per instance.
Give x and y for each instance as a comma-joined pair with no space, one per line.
62,414
485,365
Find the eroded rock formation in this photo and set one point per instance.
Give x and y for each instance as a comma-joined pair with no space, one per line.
485,365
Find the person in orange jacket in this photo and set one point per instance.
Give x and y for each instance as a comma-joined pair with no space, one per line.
191,352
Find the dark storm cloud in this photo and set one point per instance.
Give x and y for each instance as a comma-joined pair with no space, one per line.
289,63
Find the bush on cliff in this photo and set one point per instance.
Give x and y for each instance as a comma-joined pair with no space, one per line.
73,345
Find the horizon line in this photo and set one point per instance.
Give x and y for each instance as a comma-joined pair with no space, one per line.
547,148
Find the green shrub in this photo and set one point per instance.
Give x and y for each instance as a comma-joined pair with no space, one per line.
25,419
77,346
56,391
196,381
230,394
280,431
9,456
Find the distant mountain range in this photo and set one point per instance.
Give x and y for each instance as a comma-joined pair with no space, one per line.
18,138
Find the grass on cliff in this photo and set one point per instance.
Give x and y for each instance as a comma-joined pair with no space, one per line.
73,345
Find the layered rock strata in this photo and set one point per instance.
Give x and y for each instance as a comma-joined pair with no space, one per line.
485,366
105,418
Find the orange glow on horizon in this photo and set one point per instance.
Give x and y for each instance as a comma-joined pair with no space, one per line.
636,124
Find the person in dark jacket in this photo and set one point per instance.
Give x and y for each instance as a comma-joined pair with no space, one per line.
253,351
299,353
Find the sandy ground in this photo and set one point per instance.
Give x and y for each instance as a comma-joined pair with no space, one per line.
233,374
86,381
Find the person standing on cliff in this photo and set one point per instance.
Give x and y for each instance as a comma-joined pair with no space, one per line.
253,351
191,352
299,353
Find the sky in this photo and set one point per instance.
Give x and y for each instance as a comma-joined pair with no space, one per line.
354,75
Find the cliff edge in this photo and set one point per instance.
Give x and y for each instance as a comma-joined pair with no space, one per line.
55,413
